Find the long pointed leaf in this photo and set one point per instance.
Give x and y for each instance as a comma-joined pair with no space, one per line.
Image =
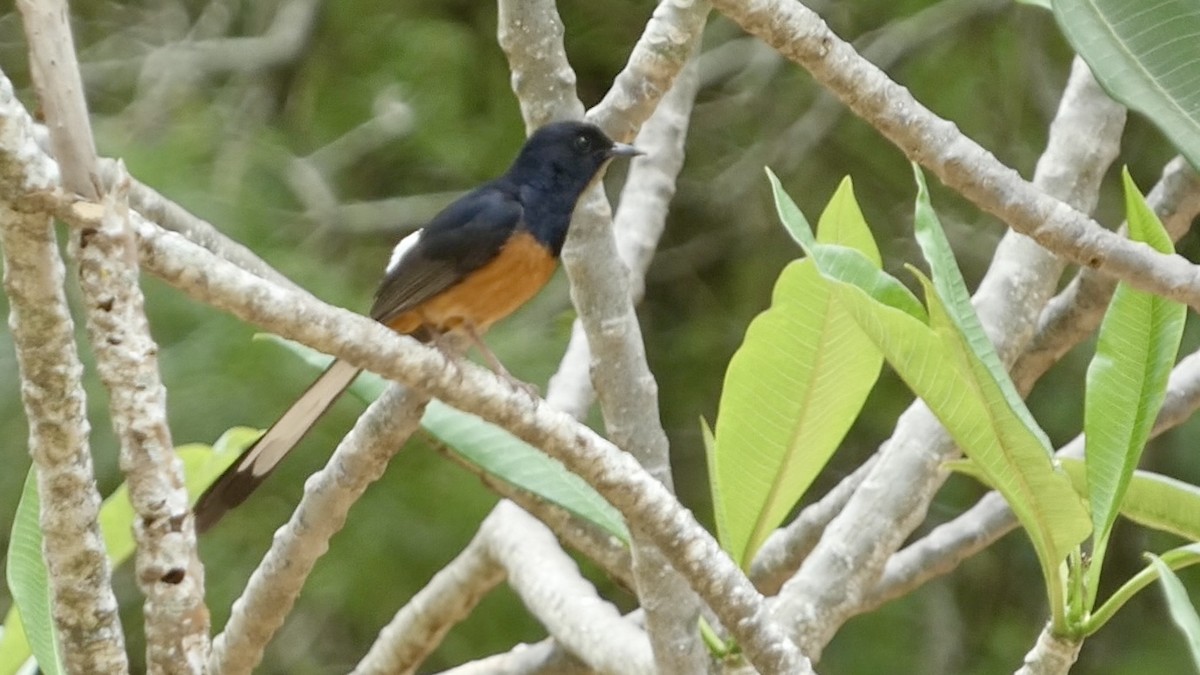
1146,55
837,258
937,364
952,289
842,223
28,582
791,392
1127,379
1151,500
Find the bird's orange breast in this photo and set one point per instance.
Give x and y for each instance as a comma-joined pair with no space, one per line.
521,268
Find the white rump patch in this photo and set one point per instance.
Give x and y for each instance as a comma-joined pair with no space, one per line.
403,247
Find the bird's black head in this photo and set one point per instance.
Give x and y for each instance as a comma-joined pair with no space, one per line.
565,156
555,166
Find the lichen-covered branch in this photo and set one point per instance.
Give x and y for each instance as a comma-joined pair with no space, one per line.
169,572
84,607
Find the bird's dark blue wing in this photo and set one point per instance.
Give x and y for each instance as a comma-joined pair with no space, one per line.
459,240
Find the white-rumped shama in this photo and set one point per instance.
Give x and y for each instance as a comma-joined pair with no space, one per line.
475,263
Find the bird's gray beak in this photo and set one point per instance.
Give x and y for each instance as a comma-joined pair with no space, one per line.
624,150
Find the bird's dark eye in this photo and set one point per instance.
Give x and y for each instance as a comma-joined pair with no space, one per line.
583,143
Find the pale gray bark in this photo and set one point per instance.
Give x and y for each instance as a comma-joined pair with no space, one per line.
83,605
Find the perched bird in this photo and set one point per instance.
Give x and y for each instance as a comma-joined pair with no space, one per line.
475,263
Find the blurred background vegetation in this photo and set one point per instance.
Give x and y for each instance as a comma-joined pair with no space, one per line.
422,90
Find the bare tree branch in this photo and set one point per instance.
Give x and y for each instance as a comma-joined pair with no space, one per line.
958,161
84,607
358,461
60,92
531,34
543,658
637,227
599,284
157,208
1076,312
884,48
169,572
549,584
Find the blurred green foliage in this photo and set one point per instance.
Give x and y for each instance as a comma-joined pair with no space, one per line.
221,144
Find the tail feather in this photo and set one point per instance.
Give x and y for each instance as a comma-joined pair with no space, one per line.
243,476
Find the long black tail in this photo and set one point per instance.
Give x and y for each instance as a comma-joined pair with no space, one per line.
243,476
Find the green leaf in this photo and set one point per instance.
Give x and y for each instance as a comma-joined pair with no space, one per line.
14,646
993,434
1183,613
843,223
791,392
1151,500
1146,54
842,262
490,448
1127,378
937,363
1045,4
27,580
503,455
952,290
790,215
